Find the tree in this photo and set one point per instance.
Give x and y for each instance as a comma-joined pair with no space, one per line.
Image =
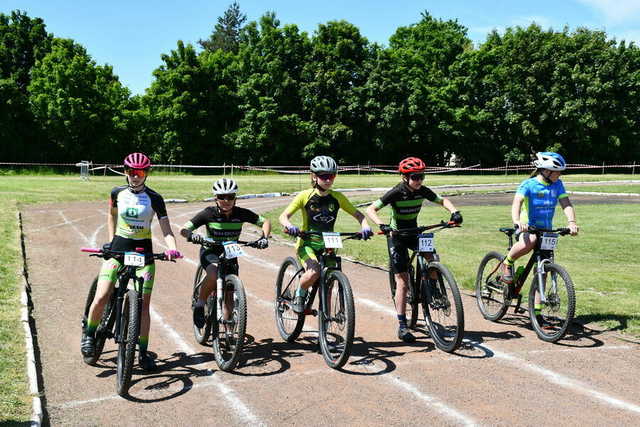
77,103
226,34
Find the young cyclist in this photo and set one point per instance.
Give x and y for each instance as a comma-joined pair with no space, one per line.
131,211
534,205
223,223
319,205
406,201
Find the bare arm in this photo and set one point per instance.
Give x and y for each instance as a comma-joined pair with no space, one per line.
169,238
361,219
112,219
516,206
266,228
446,203
372,212
284,219
570,213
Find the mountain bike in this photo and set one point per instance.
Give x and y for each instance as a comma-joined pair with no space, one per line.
557,296
433,286
121,316
336,310
226,310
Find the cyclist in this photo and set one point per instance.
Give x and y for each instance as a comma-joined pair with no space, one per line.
319,205
534,204
131,210
406,201
223,223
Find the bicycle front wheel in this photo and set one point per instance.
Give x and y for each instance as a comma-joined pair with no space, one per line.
129,333
443,307
492,295
289,323
337,320
229,332
106,322
556,314
201,334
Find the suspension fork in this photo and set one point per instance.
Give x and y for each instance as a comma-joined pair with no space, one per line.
541,261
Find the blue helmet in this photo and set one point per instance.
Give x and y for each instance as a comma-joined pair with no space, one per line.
549,160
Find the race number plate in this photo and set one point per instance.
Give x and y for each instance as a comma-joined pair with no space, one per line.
332,240
549,241
425,243
133,258
232,250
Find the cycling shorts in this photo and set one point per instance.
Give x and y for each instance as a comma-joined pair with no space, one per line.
111,266
209,256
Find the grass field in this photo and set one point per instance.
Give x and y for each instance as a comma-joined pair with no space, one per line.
609,298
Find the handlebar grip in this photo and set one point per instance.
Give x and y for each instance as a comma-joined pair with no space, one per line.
91,250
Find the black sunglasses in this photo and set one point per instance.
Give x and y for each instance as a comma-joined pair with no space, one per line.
226,197
417,176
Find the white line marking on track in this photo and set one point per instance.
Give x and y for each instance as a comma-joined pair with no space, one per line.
67,222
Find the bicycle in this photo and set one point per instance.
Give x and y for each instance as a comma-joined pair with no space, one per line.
336,309
440,297
228,334
121,316
558,300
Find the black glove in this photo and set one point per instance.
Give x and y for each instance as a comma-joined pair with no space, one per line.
106,247
262,243
456,217
196,238
385,228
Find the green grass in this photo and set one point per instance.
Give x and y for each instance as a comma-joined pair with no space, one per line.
602,260
461,248
631,188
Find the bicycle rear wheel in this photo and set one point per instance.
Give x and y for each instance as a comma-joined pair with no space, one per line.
443,304
289,323
558,311
129,333
201,334
337,320
492,295
228,334
106,322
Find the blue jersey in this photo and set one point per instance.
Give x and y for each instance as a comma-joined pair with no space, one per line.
540,201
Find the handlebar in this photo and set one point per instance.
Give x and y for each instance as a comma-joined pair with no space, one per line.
349,235
209,242
421,229
101,253
563,231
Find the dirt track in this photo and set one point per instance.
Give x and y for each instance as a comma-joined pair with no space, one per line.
503,375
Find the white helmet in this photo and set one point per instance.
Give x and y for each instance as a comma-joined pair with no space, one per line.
323,164
549,160
224,186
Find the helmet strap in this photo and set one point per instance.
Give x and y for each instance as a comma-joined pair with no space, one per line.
137,188
545,177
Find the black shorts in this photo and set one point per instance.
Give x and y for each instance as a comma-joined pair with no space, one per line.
399,252
210,256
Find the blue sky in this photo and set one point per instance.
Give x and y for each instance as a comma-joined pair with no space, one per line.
131,35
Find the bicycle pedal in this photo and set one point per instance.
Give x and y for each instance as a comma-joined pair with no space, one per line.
520,310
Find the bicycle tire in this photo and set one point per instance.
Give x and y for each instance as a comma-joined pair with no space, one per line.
130,331
412,300
201,334
438,304
105,326
490,293
554,327
336,351
228,347
288,322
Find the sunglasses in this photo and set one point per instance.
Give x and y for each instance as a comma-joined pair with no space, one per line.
417,176
327,176
227,197
141,173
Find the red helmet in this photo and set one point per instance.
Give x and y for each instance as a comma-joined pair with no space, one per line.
137,161
411,165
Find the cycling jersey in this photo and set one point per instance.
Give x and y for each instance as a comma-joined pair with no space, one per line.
540,201
135,211
319,213
406,204
223,228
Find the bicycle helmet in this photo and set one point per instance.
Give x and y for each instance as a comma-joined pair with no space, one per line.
137,161
323,164
549,160
224,186
411,165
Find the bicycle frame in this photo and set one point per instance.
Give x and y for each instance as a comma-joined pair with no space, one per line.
127,274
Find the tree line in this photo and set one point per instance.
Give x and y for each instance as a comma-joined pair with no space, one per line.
264,93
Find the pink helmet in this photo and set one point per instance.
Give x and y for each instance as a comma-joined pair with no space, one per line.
137,161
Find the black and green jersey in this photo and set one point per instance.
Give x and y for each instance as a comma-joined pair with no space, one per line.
406,204
221,227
